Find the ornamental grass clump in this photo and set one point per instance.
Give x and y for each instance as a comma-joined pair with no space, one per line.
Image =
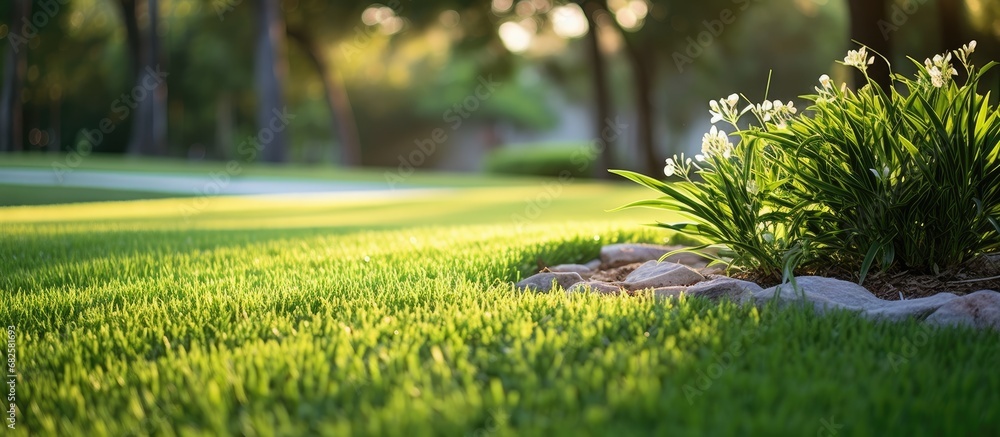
907,178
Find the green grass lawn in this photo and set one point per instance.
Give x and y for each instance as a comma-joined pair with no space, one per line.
396,317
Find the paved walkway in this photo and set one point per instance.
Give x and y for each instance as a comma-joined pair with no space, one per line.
187,184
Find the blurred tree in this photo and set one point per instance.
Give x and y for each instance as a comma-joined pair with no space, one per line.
335,93
15,65
271,71
596,13
149,95
310,24
642,62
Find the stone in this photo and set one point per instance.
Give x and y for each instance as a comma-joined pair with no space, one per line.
916,308
595,287
583,270
719,288
594,264
830,294
655,274
669,292
542,282
822,293
615,255
980,310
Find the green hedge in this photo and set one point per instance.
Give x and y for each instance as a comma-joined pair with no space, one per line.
558,159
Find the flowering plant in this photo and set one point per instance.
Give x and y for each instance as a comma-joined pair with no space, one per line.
906,177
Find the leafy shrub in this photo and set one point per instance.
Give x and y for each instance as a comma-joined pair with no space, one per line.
555,160
862,179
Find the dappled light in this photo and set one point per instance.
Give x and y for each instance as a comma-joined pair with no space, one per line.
499,218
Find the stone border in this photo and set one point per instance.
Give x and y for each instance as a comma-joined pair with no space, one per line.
633,268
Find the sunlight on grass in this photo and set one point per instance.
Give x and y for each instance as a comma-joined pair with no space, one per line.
513,206
398,317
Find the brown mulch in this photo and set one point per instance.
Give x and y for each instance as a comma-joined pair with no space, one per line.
980,274
616,274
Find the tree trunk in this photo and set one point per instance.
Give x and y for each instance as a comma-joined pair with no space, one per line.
148,110
55,108
157,117
642,63
15,66
602,95
134,39
224,123
270,74
866,18
337,100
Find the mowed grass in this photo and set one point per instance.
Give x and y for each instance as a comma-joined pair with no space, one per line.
261,316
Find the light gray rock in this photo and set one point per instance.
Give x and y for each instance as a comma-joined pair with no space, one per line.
594,264
543,282
669,292
655,274
725,288
822,293
980,309
583,270
829,294
616,255
917,308
595,287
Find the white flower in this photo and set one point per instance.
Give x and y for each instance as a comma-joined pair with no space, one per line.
825,90
715,142
963,53
764,110
858,59
825,81
937,79
939,69
670,168
775,111
678,165
715,111
725,109
752,187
